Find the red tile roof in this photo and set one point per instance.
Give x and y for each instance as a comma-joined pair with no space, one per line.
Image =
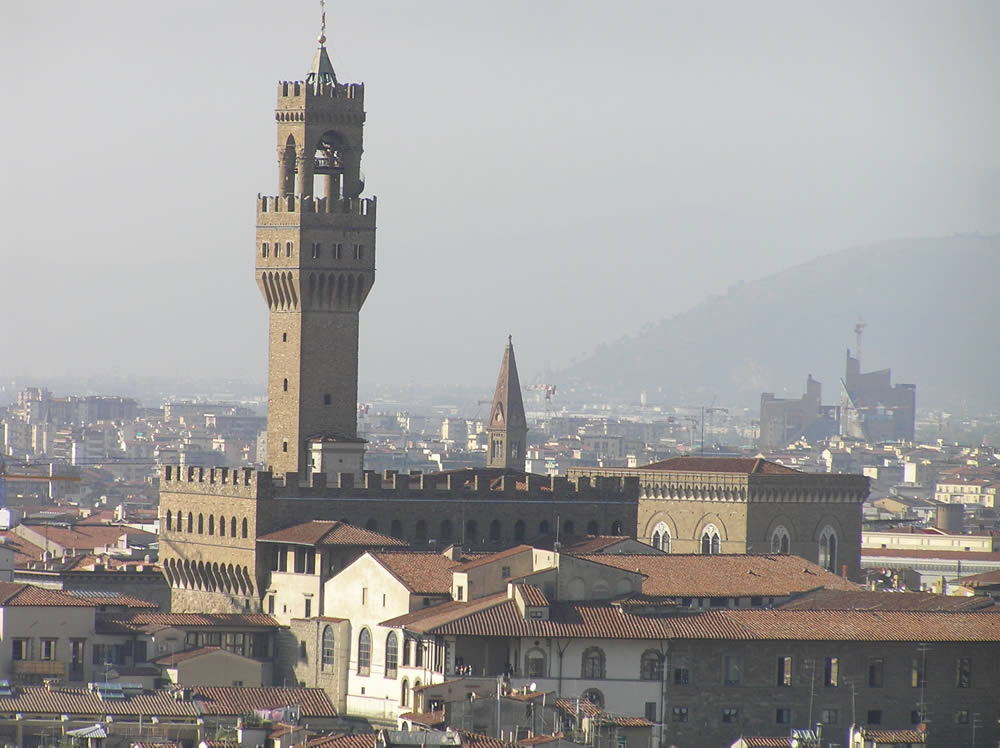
895,736
491,557
570,705
103,597
431,719
426,619
612,621
366,740
532,595
766,741
825,599
742,465
83,536
24,551
475,740
906,553
724,575
986,579
16,593
330,533
189,654
312,702
151,621
423,573
83,702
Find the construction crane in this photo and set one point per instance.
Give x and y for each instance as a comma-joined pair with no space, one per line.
549,390
5,476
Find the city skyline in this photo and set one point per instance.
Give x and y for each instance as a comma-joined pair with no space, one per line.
779,129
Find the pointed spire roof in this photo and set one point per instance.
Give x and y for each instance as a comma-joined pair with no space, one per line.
321,70
508,407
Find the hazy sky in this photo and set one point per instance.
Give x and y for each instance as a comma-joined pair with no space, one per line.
561,171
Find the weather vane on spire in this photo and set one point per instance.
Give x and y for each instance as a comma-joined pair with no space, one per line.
322,24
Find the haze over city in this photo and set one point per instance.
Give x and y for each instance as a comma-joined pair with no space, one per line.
566,172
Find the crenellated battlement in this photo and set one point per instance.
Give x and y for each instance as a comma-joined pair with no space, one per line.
292,209
457,486
295,94
244,482
391,485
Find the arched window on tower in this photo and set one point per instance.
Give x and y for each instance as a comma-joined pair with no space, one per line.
421,530
519,530
593,528
284,385
445,530
190,522
495,531
245,528
222,526
201,524
211,524
232,527
170,520
710,540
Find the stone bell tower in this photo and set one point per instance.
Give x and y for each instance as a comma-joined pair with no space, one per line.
315,264
507,428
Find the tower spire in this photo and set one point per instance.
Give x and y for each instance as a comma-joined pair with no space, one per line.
508,426
321,71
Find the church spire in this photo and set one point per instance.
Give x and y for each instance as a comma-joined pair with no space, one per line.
321,71
508,426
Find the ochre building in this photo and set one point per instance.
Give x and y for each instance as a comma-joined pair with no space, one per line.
747,505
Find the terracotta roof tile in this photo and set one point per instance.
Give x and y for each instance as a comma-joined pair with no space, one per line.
366,740
23,550
905,553
742,465
81,702
149,620
424,573
570,705
475,740
724,575
313,702
767,741
431,719
895,736
16,593
612,621
533,596
103,597
330,533
188,654
427,618
825,599
491,557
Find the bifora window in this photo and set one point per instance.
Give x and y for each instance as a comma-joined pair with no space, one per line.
710,540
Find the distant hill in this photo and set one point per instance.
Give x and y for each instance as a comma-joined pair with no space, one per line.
932,308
